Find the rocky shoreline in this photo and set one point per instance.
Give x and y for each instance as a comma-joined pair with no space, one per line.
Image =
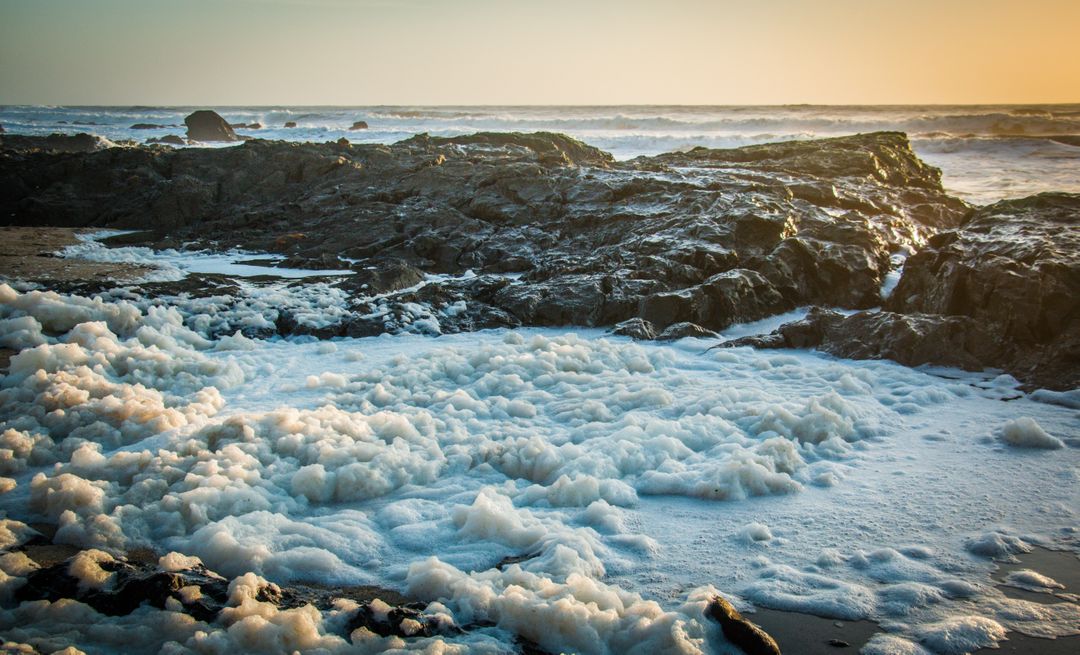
541,229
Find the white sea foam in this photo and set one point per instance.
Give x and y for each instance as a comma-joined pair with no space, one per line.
624,479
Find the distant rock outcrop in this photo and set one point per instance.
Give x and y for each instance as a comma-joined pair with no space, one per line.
169,139
359,125
55,143
290,123
207,125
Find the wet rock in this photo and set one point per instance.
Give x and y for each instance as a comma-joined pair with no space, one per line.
1012,268
383,277
909,339
683,330
635,328
748,637
207,125
709,237
254,126
134,583
1,129
147,126
359,125
402,621
290,124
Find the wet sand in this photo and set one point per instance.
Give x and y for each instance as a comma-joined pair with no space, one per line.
806,634
28,253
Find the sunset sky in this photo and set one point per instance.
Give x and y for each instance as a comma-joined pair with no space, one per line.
245,52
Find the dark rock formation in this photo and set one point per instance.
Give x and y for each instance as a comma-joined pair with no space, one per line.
147,126
290,123
1002,291
751,639
683,330
136,582
207,125
709,237
254,126
1013,268
910,339
635,328
359,125
170,139
54,143
1,129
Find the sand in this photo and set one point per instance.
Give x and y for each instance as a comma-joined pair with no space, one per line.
27,253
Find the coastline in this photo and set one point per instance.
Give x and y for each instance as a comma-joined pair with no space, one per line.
426,274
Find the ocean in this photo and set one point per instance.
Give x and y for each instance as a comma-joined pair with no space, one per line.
986,152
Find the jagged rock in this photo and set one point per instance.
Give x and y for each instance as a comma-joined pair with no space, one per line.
635,328
290,123
1013,268
751,639
207,125
683,330
709,237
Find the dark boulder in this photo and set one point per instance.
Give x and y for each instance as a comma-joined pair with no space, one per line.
359,125
684,330
207,125
635,328
290,123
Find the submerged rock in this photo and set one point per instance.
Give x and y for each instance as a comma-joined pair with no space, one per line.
359,125
290,123
207,125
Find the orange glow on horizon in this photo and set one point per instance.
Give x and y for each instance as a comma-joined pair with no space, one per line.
344,52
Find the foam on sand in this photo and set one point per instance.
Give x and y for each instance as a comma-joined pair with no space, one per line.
581,491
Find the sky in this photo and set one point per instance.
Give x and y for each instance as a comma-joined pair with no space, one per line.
583,52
